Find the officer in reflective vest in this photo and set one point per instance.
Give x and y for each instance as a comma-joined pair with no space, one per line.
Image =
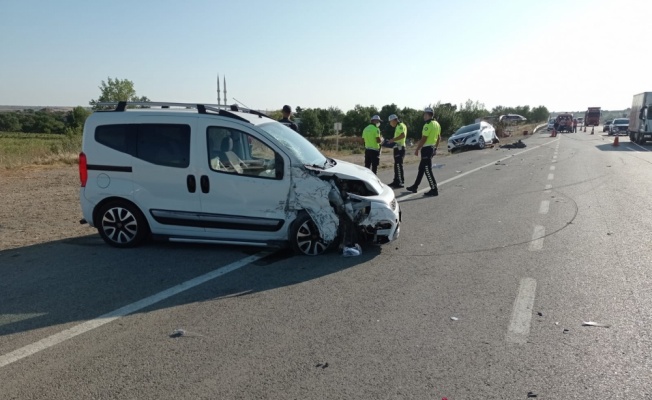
428,147
400,133
371,136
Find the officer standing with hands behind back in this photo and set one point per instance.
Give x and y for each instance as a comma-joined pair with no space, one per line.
371,136
428,146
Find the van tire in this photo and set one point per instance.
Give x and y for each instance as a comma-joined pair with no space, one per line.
121,224
305,238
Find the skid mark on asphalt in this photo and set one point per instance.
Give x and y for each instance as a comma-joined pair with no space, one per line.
77,330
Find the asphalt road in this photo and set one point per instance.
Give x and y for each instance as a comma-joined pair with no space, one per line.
482,297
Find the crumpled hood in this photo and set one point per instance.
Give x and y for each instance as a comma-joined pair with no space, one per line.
347,170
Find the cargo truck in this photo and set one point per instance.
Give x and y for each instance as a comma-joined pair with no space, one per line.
640,118
592,117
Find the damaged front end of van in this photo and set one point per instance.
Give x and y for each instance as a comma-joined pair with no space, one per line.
343,204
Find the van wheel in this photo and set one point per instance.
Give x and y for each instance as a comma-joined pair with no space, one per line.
121,224
305,237
481,143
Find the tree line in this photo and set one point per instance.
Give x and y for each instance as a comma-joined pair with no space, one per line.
319,122
313,122
44,121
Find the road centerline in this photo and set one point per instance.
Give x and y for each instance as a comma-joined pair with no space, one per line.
519,326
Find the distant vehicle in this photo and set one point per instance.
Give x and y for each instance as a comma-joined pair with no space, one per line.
564,122
474,135
640,118
607,124
592,116
618,126
580,121
514,118
489,118
551,124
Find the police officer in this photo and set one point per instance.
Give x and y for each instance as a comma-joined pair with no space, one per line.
400,132
428,146
287,113
371,136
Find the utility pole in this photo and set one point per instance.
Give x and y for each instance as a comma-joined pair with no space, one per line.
225,98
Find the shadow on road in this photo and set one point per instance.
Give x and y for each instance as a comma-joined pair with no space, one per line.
82,278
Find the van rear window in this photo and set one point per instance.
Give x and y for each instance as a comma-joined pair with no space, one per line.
161,144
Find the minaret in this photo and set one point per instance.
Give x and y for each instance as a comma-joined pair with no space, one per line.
219,101
225,98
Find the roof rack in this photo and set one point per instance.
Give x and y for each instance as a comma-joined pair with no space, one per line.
222,110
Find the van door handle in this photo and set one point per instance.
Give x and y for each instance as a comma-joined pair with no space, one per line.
205,184
191,183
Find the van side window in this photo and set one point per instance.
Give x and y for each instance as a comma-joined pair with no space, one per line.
161,144
235,152
118,137
164,144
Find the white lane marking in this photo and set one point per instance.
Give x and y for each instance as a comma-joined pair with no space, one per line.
6,319
548,188
551,177
545,207
519,326
638,145
76,330
537,238
408,196
552,167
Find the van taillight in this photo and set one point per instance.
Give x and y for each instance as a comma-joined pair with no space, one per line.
83,169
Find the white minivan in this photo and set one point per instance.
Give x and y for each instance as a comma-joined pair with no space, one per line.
208,174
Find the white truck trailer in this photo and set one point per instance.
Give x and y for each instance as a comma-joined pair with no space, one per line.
640,118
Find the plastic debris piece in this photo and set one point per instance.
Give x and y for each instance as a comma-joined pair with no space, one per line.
458,171
531,395
609,233
438,165
566,331
454,318
556,323
596,324
352,251
177,333
540,314
324,366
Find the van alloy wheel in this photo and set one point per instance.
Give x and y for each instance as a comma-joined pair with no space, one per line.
121,224
305,237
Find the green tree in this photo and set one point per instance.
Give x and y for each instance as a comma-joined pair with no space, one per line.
448,117
310,125
471,110
116,90
356,120
539,114
76,118
9,122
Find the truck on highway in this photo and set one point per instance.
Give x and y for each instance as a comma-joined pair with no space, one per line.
640,118
592,117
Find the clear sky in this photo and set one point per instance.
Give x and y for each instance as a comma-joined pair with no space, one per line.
564,54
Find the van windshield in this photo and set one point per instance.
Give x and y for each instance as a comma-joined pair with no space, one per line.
305,151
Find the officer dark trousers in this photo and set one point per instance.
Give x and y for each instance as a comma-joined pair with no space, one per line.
399,155
371,159
425,168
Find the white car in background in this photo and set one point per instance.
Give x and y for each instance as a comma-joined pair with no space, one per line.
474,135
551,124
